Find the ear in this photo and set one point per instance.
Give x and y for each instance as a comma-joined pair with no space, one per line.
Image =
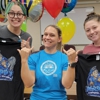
60,39
24,18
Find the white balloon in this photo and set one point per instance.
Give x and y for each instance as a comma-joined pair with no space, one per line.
36,13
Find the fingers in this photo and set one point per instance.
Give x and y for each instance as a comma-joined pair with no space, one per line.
29,38
26,43
19,51
25,52
70,51
77,52
32,49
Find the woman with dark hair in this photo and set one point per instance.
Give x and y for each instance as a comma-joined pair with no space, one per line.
88,64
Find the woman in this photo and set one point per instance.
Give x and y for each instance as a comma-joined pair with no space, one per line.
11,39
47,71
88,64
16,15
92,29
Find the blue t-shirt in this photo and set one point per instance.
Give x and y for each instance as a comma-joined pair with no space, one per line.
48,72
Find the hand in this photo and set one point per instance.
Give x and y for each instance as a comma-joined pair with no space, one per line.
72,55
25,52
25,43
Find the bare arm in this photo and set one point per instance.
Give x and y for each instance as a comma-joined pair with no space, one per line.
69,75
28,76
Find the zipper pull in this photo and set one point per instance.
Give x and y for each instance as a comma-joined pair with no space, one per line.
19,38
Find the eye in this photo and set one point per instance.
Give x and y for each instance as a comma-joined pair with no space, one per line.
52,35
11,13
94,27
87,30
45,34
19,14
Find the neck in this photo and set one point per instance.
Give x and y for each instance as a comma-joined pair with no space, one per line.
96,43
15,31
50,50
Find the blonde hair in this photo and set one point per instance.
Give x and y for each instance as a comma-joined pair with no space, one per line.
59,45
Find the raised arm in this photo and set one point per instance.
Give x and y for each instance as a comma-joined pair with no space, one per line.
69,75
27,76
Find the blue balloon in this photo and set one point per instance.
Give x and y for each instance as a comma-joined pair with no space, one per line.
68,6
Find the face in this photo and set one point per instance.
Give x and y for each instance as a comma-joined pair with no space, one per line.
50,37
15,20
95,73
92,29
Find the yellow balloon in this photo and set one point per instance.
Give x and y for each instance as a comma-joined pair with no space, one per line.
67,27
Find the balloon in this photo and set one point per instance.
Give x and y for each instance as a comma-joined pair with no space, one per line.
68,5
24,26
36,13
29,4
67,27
2,18
53,7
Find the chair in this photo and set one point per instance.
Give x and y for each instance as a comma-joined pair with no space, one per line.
42,47
67,47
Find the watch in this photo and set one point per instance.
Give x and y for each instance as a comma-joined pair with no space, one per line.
72,65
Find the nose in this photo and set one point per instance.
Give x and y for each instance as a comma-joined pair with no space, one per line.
91,31
47,36
15,15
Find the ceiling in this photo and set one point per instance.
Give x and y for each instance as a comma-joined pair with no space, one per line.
87,0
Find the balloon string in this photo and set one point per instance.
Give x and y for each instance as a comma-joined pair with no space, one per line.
65,14
54,21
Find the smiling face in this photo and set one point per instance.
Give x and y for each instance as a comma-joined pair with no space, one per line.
92,29
51,37
15,21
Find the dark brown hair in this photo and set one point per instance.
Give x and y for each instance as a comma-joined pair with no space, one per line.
92,16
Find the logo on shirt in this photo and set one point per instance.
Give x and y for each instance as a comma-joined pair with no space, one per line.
6,67
48,67
93,83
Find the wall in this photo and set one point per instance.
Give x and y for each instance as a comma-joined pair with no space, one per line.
34,28
96,9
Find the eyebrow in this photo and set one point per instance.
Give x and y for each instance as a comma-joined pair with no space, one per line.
17,11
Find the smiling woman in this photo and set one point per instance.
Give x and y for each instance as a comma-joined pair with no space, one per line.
47,66
13,38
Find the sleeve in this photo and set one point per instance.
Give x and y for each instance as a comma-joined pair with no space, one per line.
32,61
65,62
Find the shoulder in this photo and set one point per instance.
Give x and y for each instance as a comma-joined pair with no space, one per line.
3,27
62,55
88,48
37,54
4,31
25,35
